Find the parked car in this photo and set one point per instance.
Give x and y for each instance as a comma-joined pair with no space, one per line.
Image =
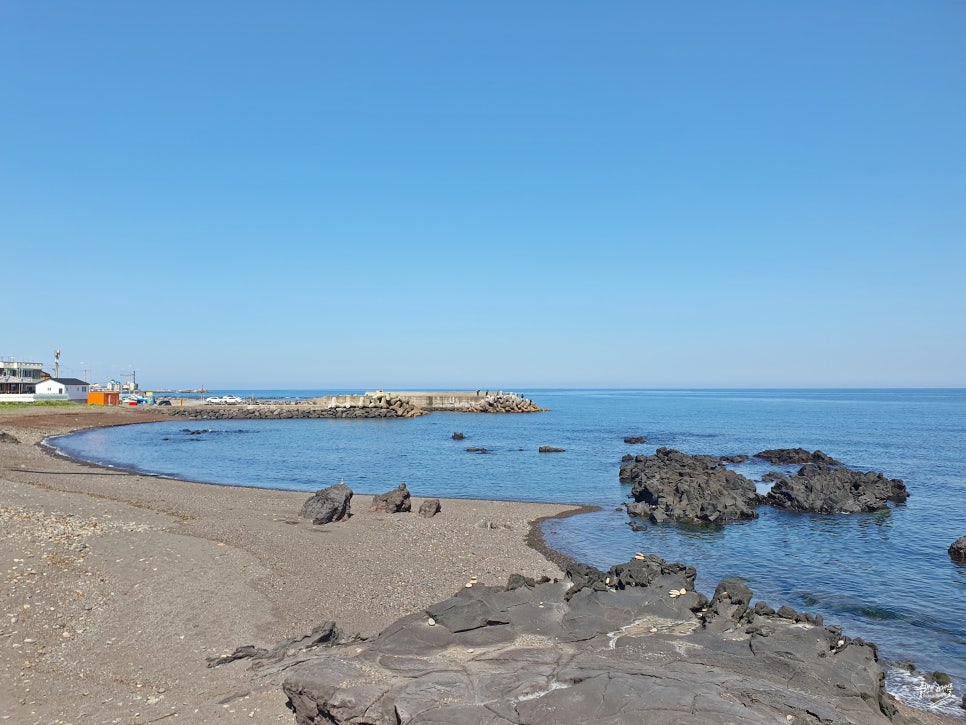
231,400
215,400
164,401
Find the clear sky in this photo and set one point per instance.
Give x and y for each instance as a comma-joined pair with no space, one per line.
501,195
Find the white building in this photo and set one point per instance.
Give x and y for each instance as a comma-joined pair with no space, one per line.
18,380
63,389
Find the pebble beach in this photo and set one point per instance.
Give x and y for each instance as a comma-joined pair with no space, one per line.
116,587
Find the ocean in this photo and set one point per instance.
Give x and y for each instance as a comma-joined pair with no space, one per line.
885,576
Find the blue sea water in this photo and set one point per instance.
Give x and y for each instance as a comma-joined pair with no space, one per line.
885,576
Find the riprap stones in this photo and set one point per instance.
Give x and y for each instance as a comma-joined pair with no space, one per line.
673,486
825,489
329,504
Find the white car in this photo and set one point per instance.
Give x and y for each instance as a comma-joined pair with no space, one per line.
231,400
215,400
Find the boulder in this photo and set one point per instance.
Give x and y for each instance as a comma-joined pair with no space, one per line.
958,549
550,449
635,644
673,486
458,436
825,489
392,502
795,456
7,438
429,508
635,439
329,504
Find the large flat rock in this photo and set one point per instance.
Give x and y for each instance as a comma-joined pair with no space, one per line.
558,652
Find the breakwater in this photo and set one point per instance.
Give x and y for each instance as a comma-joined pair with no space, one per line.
467,401
378,404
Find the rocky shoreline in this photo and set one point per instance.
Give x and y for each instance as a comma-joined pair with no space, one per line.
635,644
118,587
135,575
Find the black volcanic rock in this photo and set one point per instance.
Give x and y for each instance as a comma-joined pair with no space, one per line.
550,449
632,645
392,502
635,439
825,489
329,504
673,486
958,549
429,508
795,456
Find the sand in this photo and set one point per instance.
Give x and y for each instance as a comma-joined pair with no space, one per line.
116,587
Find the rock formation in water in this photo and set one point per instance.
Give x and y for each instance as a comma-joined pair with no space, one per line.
957,551
795,456
824,489
673,486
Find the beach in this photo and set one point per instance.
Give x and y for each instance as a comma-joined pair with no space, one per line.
117,587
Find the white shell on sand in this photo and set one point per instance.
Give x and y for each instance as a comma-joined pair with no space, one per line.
431,622
469,585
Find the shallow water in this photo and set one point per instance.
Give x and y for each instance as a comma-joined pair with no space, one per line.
884,576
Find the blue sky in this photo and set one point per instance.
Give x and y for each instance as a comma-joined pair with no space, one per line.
497,195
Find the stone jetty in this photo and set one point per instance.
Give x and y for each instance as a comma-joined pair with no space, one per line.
378,404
